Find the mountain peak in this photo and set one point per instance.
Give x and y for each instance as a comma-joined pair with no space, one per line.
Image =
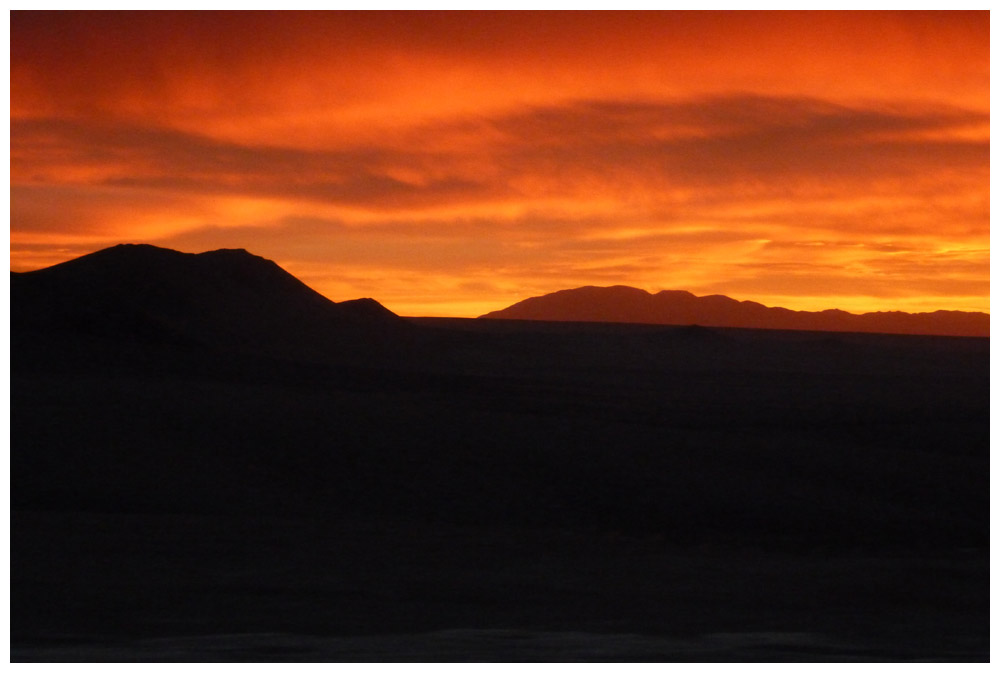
139,249
145,253
230,253
679,293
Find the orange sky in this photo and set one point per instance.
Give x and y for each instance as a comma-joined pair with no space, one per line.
454,163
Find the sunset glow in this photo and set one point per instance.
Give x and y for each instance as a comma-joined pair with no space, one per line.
452,164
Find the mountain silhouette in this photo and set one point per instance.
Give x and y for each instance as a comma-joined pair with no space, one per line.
201,444
625,304
228,299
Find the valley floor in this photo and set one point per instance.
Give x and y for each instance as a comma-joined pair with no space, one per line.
157,587
502,491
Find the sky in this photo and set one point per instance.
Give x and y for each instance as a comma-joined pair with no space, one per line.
451,164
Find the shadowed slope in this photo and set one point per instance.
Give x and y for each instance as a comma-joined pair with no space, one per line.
628,304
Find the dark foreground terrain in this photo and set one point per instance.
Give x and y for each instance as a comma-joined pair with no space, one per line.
157,587
495,490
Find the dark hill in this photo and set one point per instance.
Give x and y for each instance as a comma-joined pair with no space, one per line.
628,304
228,300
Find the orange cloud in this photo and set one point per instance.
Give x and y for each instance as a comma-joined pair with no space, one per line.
457,162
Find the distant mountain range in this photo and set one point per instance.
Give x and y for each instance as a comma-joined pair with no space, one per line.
625,304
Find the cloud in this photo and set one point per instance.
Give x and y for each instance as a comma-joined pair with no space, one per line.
779,195
233,73
653,154
116,155
744,146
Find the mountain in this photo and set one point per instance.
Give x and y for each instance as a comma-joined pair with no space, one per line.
631,305
229,300
202,445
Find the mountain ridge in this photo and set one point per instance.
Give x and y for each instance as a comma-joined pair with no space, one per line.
229,298
623,303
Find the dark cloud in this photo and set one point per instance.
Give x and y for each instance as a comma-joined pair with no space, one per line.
726,149
773,145
852,244
169,160
85,209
